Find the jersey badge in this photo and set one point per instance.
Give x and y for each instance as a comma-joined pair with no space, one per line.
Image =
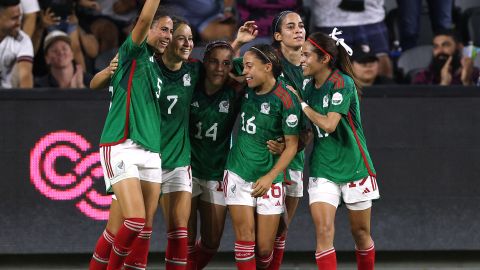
325,101
195,104
265,108
152,59
186,80
119,168
233,189
292,120
223,106
337,99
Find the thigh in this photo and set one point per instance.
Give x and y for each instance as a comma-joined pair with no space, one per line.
212,221
243,222
151,195
129,196
115,217
266,230
360,219
177,206
192,222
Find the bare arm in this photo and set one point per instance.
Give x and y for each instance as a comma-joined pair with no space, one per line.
264,183
140,31
29,23
246,33
327,122
102,78
25,75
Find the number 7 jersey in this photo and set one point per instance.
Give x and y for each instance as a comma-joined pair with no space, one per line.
262,118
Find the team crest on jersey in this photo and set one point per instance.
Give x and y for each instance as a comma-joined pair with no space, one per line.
195,104
233,189
305,82
337,99
223,106
265,108
187,80
325,101
292,120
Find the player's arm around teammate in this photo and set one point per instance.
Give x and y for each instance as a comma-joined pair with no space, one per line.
159,35
340,165
253,176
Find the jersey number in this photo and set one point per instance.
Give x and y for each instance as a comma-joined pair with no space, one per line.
320,135
211,132
276,192
174,99
250,127
159,87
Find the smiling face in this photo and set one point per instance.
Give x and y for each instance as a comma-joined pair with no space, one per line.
255,71
182,43
292,31
59,54
217,66
160,35
10,20
309,62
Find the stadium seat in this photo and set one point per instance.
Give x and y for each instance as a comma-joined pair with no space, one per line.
411,61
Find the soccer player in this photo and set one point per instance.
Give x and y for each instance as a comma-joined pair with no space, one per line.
142,77
213,112
340,165
254,176
180,76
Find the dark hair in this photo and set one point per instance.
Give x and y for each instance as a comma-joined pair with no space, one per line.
177,21
448,32
161,13
338,54
215,45
277,26
267,54
8,3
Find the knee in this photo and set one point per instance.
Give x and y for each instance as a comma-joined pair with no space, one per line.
360,234
264,252
326,230
245,233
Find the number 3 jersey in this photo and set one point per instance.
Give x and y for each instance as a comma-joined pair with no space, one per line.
134,109
262,118
175,99
341,156
211,121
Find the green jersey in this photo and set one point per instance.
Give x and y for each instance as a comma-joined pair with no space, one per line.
262,118
293,75
211,122
134,109
174,102
341,156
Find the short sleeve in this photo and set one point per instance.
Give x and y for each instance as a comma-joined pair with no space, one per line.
341,99
29,6
291,120
130,50
25,50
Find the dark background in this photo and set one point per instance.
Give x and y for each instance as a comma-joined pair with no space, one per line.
423,142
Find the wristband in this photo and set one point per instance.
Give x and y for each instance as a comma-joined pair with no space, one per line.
304,105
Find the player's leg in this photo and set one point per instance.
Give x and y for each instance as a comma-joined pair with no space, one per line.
177,197
241,207
213,212
192,226
104,243
324,197
293,193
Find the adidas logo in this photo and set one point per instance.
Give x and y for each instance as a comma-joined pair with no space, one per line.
195,104
366,190
278,203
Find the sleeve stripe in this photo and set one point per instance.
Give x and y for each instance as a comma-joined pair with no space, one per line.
25,58
284,96
337,80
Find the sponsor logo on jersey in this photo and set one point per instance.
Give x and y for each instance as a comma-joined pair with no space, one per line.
292,120
223,106
187,80
325,101
337,99
265,108
195,104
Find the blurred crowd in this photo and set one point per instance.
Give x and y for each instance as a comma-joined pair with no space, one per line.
61,43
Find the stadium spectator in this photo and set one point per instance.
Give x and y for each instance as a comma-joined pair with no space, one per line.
62,71
409,16
362,23
448,66
365,67
210,19
16,50
30,9
263,12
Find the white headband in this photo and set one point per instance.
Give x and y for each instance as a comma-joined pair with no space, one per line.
340,41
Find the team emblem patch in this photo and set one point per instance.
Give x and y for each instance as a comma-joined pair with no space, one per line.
195,104
119,168
292,120
325,101
265,108
186,80
337,99
223,106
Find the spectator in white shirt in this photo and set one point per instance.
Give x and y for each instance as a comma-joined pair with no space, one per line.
30,9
